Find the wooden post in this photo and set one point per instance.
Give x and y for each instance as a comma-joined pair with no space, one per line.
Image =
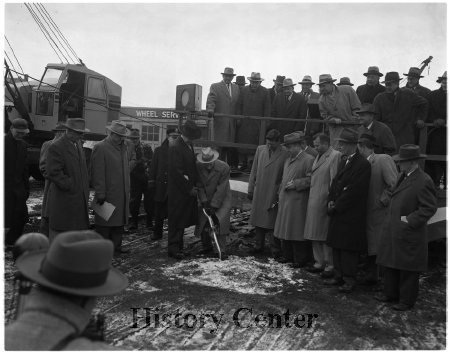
423,138
262,132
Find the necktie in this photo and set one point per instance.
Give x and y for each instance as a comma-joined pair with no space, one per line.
286,98
229,88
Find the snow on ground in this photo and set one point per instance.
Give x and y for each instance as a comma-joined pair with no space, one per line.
240,274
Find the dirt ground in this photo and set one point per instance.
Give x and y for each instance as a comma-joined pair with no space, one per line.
251,303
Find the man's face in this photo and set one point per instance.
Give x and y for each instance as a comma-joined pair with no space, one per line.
444,84
135,141
227,78
288,90
365,118
372,80
254,85
278,87
172,137
325,88
306,87
345,148
294,149
117,138
405,166
273,145
319,146
363,150
74,136
391,87
412,81
18,135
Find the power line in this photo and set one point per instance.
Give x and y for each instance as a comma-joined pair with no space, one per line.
12,64
18,62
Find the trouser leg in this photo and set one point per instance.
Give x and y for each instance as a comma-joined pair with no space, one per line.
408,287
206,238
260,238
338,272
318,252
44,226
349,262
175,240
116,234
160,215
288,251
372,269
328,256
391,282
149,205
300,251
19,218
135,203
275,245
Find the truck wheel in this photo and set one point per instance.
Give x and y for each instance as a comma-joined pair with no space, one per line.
35,172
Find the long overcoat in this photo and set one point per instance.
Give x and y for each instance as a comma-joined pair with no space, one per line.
323,171
215,189
400,112
264,182
382,179
159,171
68,193
252,103
404,246
219,101
437,138
367,94
385,140
42,168
110,176
295,108
349,190
291,218
183,177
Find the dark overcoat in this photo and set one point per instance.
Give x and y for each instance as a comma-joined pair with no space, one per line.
349,190
16,185
437,138
42,168
367,94
420,90
296,108
404,246
110,174
251,103
400,112
159,171
385,140
68,193
183,177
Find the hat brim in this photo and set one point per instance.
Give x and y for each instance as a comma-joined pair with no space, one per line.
59,129
305,82
294,84
388,81
26,131
30,264
345,84
256,80
215,157
328,81
223,73
115,132
379,74
416,76
397,157
76,130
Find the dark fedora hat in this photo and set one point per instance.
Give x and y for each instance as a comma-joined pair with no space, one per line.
367,137
134,134
443,77
373,70
118,128
306,80
408,153
348,136
366,108
391,77
344,81
77,262
325,78
77,125
240,81
413,72
191,130
279,80
294,137
20,125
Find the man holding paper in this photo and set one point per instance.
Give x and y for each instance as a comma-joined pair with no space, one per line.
110,176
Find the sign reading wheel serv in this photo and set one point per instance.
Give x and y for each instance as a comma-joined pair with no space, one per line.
149,113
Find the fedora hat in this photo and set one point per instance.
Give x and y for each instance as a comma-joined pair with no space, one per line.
228,71
20,125
344,81
191,130
348,136
287,82
391,77
208,155
59,127
325,78
366,108
307,79
413,72
295,137
76,124
373,70
440,78
367,137
279,80
77,262
255,76
30,242
240,81
134,134
408,153
118,128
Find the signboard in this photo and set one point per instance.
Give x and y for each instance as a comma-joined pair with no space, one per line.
148,113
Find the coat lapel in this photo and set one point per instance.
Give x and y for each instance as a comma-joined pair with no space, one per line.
406,183
272,158
319,161
70,147
225,89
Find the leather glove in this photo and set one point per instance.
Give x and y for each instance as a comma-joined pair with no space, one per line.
210,114
420,124
439,123
101,200
250,196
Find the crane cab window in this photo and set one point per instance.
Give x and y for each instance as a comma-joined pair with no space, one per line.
72,96
96,88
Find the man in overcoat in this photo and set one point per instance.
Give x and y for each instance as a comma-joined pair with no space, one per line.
413,78
382,179
222,98
293,202
254,100
158,179
110,176
323,171
66,170
401,109
347,207
182,187
403,247
59,131
337,104
289,105
214,195
276,88
437,138
312,101
367,93
16,186
381,132
263,185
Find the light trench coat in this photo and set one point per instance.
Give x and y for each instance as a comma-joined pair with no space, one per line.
324,169
291,218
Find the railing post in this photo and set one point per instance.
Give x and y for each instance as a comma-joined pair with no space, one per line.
423,138
262,133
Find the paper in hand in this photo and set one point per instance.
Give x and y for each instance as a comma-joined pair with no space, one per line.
105,211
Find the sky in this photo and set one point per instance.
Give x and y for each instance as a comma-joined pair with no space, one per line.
150,48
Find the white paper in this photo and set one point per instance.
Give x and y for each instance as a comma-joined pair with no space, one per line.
440,215
403,219
105,211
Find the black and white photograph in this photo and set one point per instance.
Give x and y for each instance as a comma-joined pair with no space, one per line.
193,176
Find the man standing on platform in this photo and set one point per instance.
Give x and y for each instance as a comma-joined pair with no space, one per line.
413,78
312,101
277,87
263,185
367,93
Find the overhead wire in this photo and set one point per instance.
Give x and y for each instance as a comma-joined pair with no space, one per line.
17,60
12,65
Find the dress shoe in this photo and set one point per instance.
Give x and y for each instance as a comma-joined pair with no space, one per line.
177,256
133,226
314,269
401,307
223,256
334,282
120,251
327,274
384,298
346,288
